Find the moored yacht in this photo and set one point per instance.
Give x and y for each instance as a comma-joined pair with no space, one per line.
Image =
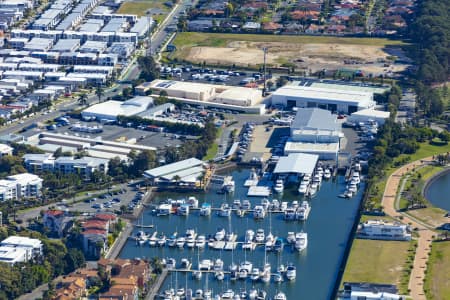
280,296
302,212
259,237
327,174
303,188
220,234
259,212
205,210
172,241
224,211
279,186
246,205
301,241
200,242
291,272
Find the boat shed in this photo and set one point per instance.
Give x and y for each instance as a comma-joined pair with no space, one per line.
185,172
296,164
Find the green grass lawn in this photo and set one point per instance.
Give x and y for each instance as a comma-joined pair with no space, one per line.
426,149
437,279
141,7
376,261
191,39
212,151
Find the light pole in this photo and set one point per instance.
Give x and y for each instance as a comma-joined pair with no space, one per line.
264,72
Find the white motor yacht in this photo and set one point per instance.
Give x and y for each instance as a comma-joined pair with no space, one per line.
291,272
246,265
206,265
265,274
141,238
172,241
236,204
171,263
162,240
193,202
270,241
352,188
228,294
279,186
289,214
303,188
200,242
185,264
180,242
218,265
275,205
327,174
356,177
153,240
301,241
262,294
242,274
277,277
246,205
302,212
219,275
280,296
220,234
253,294
290,237
260,236
254,275
313,189
197,274
249,235
205,210
224,211
259,212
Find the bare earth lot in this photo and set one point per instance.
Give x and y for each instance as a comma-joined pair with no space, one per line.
314,53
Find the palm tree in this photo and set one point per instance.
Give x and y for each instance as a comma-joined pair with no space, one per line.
99,92
82,100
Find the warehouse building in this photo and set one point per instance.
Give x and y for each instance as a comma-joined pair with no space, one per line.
110,110
336,100
203,92
315,131
295,165
370,114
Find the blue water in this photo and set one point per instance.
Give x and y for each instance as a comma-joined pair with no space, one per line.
328,227
437,193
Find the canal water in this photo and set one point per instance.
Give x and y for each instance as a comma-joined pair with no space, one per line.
328,227
437,190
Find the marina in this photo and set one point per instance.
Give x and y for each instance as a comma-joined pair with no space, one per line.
278,247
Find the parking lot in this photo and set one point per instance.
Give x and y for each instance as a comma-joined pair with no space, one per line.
126,196
213,76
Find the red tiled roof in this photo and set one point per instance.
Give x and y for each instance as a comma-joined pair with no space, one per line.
94,231
105,217
271,26
54,212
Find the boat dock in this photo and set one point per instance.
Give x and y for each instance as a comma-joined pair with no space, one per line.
259,191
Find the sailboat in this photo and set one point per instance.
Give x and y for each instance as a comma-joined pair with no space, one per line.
197,274
265,274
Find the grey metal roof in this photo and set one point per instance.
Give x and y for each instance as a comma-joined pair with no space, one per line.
173,168
315,118
300,163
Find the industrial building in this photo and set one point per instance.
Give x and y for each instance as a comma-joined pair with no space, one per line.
185,172
16,249
315,131
336,100
295,165
20,186
110,110
231,95
370,114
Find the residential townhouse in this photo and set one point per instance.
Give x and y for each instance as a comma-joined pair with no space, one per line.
16,249
20,186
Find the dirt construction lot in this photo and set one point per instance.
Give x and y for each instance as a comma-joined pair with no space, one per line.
303,52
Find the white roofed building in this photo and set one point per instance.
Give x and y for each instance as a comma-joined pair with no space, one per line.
16,249
366,115
295,165
337,100
5,150
379,230
110,110
20,186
